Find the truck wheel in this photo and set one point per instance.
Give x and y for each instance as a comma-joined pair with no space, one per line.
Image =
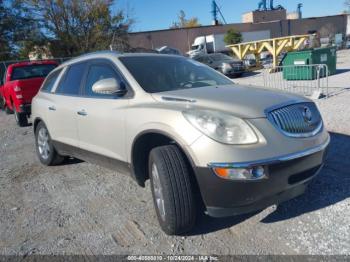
172,190
7,109
21,118
44,148
2,103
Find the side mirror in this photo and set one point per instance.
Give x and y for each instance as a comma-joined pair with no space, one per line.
109,86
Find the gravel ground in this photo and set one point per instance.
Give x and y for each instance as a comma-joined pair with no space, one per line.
79,208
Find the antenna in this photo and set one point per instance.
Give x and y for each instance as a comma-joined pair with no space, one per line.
215,10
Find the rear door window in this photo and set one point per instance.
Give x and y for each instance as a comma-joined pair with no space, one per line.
71,82
50,81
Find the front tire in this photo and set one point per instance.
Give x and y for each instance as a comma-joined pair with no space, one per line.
172,190
21,118
45,150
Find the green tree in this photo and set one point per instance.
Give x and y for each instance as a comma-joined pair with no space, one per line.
28,45
16,27
11,28
4,32
75,27
183,22
233,37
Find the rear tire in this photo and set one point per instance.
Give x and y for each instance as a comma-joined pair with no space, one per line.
2,103
45,150
21,118
7,109
172,190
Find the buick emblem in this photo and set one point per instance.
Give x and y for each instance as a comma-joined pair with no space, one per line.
307,114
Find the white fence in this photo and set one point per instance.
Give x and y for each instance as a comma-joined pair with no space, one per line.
307,80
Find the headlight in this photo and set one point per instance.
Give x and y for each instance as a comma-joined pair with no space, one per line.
226,66
222,127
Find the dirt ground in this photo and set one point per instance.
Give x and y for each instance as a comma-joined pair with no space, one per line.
79,208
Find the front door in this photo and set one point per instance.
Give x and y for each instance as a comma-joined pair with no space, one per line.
101,117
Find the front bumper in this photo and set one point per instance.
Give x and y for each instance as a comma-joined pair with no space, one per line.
26,108
288,177
234,71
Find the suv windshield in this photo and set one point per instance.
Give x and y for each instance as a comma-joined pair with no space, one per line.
31,71
166,73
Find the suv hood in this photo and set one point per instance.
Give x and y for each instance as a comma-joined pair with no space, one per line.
241,101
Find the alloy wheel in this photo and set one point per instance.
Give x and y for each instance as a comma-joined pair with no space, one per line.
43,143
158,192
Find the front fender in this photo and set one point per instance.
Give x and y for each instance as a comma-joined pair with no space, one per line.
183,137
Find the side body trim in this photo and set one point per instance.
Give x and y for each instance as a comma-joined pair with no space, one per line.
110,163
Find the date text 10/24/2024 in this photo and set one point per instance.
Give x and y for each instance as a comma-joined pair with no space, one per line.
171,258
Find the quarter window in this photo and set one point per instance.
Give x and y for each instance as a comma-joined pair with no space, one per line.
71,82
96,73
50,81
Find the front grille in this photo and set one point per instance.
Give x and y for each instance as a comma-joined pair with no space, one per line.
297,120
237,64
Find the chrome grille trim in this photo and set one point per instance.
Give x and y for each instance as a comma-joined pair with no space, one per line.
292,119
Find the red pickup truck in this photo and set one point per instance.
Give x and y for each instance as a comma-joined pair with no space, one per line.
21,82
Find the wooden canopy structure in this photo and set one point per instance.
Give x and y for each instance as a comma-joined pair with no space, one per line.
274,45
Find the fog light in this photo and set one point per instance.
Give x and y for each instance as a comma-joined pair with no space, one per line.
253,173
258,172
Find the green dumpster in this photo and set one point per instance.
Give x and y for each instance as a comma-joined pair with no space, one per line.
297,64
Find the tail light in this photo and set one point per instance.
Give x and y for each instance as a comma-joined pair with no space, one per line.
17,89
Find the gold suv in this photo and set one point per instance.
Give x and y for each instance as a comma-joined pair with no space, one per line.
186,127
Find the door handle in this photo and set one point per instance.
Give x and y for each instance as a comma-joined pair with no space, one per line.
82,112
52,108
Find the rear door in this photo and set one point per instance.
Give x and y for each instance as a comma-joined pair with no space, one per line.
101,118
44,99
64,104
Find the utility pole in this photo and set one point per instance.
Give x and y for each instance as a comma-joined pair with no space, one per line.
215,11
